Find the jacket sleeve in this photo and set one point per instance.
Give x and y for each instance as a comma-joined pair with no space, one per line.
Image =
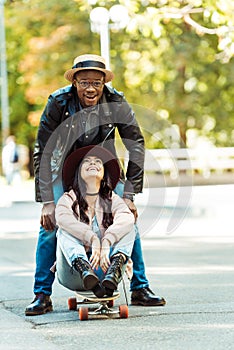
123,220
50,120
67,221
133,140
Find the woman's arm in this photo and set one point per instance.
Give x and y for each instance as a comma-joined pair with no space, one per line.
66,220
123,220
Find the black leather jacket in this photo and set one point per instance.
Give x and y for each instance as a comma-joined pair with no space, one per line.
59,133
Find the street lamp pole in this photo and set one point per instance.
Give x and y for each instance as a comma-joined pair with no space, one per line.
100,18
3,81
105,43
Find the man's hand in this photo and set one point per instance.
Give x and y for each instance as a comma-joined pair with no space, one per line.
95,257
132,207
48,216
105,253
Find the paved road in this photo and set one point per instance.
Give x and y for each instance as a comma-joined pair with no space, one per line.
189,261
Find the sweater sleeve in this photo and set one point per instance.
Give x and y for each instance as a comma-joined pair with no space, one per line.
67,221
123,220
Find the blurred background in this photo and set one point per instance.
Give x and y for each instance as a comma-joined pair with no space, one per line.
172,59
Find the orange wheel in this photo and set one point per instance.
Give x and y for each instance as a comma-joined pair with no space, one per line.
110,303
72,304
123,311
83,313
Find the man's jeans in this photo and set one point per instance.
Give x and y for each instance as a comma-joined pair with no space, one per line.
46,254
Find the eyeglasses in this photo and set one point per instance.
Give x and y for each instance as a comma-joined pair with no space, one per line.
85,84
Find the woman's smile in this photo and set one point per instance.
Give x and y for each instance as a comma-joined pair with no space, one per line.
92,166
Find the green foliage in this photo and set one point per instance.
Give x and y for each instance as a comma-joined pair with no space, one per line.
173,68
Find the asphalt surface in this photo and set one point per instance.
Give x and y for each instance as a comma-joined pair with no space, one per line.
188,241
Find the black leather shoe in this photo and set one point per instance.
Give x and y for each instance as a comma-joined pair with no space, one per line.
39,306
90,280
114,272
145,297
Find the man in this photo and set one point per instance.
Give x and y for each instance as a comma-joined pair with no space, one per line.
84,113
10,160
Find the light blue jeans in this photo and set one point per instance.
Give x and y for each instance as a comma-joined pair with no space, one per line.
46,254
69,248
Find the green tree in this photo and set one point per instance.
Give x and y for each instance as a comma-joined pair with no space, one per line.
184,64
39,49
175,59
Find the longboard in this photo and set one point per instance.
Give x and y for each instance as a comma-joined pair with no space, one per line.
89,296
105,306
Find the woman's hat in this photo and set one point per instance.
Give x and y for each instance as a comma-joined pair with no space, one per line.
89,62
110,163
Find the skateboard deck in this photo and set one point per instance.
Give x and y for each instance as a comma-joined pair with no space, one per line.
89,296
105,305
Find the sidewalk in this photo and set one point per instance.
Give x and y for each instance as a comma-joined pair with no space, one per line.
159,209
18,192
192,267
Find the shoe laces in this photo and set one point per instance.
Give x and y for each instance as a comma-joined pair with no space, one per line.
116,263
80,264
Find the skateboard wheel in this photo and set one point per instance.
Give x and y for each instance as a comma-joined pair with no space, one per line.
123,311
72,303
110,303
83,313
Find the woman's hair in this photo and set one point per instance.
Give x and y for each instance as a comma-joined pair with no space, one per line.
105,193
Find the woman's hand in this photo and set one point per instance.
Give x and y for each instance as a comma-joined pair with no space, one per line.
95,257
105,253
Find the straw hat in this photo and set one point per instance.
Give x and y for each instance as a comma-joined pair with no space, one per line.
90,62
110,163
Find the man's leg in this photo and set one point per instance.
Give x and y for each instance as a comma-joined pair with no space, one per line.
45,258
44,278
139,279
141,293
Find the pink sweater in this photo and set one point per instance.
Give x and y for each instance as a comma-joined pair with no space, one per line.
123,219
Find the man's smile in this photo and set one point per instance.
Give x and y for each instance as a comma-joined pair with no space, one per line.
90,97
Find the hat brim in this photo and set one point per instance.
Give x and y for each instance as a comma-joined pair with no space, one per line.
69,74
73,160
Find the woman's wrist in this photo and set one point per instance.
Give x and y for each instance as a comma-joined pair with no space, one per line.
93,238
106,242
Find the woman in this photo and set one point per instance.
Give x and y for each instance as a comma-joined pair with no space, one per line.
96,228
